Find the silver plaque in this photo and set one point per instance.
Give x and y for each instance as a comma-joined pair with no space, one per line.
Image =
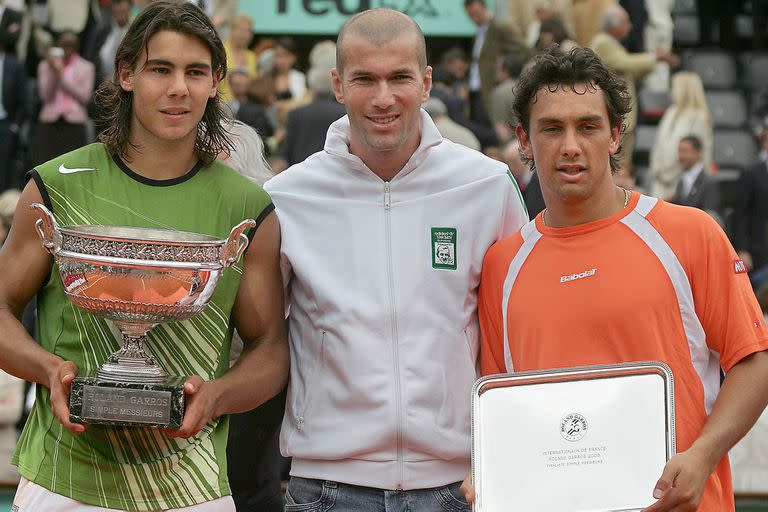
573,439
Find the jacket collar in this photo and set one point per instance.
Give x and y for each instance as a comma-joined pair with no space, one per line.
337,144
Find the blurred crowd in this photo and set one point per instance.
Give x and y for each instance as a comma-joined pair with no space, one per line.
54,54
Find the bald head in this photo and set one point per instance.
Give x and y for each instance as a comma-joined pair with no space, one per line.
379,27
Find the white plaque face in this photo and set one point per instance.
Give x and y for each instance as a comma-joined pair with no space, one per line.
572,440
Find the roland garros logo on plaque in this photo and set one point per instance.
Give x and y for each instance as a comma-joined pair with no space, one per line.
573,427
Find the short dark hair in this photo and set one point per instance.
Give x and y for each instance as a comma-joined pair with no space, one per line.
554,69
554,26
512,65
453,53
467,3
694,140
117,104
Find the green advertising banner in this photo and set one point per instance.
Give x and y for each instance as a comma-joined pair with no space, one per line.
324,17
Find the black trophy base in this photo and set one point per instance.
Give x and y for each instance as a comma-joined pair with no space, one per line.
127,404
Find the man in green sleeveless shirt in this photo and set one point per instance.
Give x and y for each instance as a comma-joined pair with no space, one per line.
155,167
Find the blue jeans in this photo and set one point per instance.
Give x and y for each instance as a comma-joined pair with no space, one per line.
307,495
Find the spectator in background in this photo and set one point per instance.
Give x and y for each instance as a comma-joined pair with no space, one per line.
543,10
634,41
448,128
71,16
239,85
696,187
443,90
552,32
323,55
632,67
688,115
658,34
247,157
750,215
456,63
520,14
502,97
717,17
13,112
586,18
255,112
10,28
34,40
239,56
102,46
222,13
65,84
290,84
493,40
527,180
306,126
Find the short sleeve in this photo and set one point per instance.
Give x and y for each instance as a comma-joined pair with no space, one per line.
489,310
725,303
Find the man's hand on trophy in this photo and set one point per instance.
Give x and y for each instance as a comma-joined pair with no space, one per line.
681,485
59,382
200,408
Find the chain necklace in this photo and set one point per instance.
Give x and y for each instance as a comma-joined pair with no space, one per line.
627,195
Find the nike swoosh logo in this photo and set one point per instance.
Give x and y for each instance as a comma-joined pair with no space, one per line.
67,170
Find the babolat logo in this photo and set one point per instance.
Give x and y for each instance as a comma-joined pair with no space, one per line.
582,275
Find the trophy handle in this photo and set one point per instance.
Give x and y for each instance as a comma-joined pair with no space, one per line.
47,228
236,244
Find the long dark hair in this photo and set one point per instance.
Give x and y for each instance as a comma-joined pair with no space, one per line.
116,104
580,67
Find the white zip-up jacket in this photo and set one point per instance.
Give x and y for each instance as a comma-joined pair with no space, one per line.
382,284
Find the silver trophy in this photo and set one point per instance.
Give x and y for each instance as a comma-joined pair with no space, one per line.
138,278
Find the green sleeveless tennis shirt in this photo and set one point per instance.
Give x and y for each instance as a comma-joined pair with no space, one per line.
136,468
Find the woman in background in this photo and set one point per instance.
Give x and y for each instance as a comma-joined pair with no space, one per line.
290,84
688,115
65,84
239,55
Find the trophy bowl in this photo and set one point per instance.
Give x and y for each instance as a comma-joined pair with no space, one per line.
138,278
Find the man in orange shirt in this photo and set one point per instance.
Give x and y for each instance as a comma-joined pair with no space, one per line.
603,275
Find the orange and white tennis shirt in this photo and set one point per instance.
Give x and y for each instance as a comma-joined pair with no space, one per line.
656,281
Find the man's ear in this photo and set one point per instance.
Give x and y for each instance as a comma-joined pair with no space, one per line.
337,90
525,142
126,77
216,80
615,139
427,83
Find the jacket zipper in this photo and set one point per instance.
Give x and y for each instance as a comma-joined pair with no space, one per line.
393,322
